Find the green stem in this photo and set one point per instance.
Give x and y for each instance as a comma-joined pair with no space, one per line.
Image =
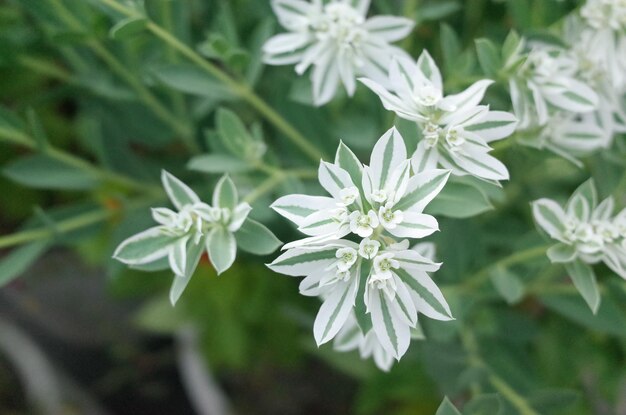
68,225
45,68
240,89
19,138
135,83
518,257
511,395
275,178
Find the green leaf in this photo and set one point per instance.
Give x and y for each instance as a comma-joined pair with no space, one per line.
225,194
450,46
145,247
585,281
488,57
588,191
447,408
255,238
346,159
235,136
609,318
550,400
561,252
18,261
487,404
511,45
437,9
459,200
507,284
129,27
222,248
218,163
37,130
43,172
191,80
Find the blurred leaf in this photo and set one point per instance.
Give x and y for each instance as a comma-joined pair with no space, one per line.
255,238
549,400
43,172
437,9
218,163
459,200
191,80
129,27
157,315
488,404
585,281
609,318
507,284
488,57
447,408
18,261
236,138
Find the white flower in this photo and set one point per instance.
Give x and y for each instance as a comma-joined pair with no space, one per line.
363,224
337,39
548,79
587,234
393,277
456,130
605,14
368,248
388,217
569,136
181,237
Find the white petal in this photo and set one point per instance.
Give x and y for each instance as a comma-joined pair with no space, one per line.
428,67
389,28
297,207
179,193
178,256
392,102
145,247
392,332
469,98
335,311
415,226
550,217
427,296
303,261
481,164
286,42
494,126
388,153
334,179
421,189
346,72
424,158
325,79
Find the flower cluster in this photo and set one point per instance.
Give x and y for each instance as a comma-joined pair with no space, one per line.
181,236
587,232
356,255
337,39
456,130
570,99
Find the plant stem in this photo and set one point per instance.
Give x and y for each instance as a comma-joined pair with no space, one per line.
68,225
20,138
276,177
240,89
518,257
127,76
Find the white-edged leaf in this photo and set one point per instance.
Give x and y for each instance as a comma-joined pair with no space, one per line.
388,153
550,217
297,207
179,193
415,226
222,248
194,253
335,310
225,194
392,332
427,296
255,238
145,247
561,253
584,279
421,189
298,262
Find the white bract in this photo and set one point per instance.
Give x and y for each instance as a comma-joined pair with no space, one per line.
456,130
587,233
546,83
383,282
337,39
183,235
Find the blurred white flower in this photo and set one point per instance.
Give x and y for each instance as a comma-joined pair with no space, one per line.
337,39
455,129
